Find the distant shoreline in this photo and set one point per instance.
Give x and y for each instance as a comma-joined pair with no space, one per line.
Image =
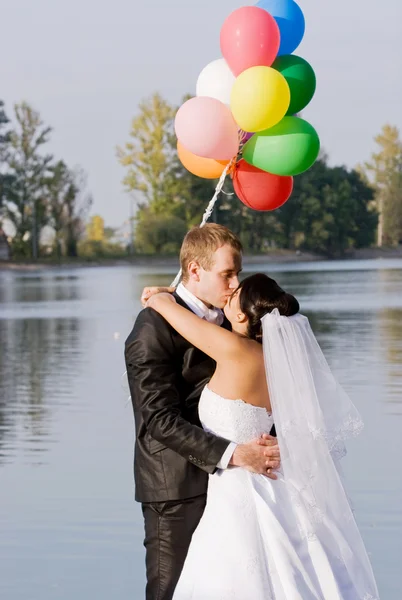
277,256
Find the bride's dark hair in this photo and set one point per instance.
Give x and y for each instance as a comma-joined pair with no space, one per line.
259,294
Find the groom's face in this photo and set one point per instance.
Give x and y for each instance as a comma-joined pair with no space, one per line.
217,285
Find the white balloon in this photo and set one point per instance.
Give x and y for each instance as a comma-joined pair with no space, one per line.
216,81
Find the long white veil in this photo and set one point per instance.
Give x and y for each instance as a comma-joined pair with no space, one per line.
313,416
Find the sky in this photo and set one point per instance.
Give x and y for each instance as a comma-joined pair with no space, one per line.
85,65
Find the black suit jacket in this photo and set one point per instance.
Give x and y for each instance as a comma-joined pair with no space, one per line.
166,375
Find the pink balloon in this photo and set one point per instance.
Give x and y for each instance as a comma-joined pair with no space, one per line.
250,37
206,127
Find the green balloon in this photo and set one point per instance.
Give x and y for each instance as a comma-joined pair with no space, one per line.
301,79
289,148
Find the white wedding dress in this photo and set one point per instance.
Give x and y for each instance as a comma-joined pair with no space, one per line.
249,544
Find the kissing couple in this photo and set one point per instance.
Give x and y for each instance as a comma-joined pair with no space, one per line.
240,426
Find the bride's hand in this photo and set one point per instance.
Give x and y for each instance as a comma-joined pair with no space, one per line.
155,300
147,292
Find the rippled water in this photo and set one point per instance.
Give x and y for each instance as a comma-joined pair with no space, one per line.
69,527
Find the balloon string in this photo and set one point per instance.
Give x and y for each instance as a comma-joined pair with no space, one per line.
209,209
242,137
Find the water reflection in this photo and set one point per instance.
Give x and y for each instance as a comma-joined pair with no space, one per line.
38,360
35,288
390,327
70,527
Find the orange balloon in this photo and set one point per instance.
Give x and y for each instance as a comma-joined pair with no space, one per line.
208,168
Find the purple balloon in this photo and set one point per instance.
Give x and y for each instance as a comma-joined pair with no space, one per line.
245,136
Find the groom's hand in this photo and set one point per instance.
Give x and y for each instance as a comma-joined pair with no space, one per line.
258,456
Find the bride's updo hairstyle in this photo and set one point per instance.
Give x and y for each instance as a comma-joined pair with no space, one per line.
259,295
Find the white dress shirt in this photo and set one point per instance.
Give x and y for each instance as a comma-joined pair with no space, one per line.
212,315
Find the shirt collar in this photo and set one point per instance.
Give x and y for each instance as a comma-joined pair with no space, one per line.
197,306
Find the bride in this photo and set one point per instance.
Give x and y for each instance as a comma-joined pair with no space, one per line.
294,538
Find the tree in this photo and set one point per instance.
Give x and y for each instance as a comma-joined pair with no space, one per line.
384,171
78,202
257,230
109,233
153,169
192,196
393,209
149,157
307,185
342,219
4,135
329,211
58,185
5,178
67,204
159,234
29,170
96,229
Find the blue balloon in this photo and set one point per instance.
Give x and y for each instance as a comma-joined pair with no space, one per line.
290,19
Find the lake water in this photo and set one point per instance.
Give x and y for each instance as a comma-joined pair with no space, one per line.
69,527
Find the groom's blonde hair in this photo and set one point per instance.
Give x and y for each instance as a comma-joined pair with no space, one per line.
201,243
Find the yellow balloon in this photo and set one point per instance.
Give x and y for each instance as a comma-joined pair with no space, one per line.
260,98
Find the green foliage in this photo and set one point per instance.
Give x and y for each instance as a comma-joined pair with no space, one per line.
77,203
4,133
393,209
35,191
149,157
159,234
384,172
95,249
29,168
109,233
21,249
154,170
59,186
329,212
5,178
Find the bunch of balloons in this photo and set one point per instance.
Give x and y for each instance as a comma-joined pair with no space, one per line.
245,111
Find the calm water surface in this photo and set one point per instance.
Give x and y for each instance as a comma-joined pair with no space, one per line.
69,527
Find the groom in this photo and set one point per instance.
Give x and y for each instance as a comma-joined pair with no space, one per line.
173,454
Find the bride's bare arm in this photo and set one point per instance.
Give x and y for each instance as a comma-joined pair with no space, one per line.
217,343
211,339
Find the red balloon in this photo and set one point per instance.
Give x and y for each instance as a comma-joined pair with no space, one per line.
260,190
250,37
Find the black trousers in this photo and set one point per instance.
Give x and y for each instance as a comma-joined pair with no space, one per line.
169,527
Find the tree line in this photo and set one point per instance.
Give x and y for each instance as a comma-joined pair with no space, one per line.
332,209
36,189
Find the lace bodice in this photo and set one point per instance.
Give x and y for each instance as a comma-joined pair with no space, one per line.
234,420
